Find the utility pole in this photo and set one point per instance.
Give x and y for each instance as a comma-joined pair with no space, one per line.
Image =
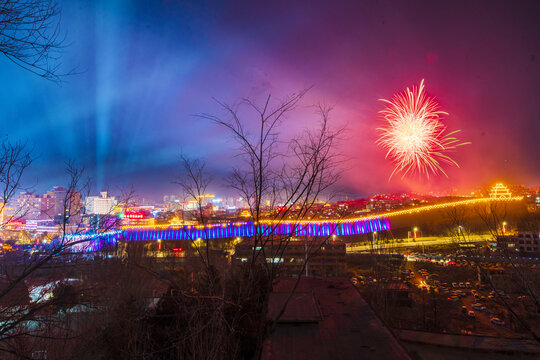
305,255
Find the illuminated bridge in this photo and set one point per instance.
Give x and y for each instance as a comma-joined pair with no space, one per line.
247,229
95,241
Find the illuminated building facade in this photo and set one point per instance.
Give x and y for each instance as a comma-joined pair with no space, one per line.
525,243
27,206
100,205
499,191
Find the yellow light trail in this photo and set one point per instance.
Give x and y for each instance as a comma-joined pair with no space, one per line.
398,212
345,220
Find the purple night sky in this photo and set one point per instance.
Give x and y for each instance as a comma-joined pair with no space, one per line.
144,68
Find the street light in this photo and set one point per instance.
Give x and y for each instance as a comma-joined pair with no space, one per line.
504,227
415,230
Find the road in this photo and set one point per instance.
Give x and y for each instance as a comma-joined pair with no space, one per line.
421,241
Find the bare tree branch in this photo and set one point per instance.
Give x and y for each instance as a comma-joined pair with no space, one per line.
30,36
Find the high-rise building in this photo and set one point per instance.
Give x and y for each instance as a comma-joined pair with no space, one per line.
27,206
58,204
100,205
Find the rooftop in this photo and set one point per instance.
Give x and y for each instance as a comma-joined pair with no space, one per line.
347,328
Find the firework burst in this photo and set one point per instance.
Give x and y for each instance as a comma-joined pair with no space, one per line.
414,136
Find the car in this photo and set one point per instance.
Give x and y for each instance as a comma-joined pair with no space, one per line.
497,321
467,284
464,309
471,314
454,285
478,306
461,285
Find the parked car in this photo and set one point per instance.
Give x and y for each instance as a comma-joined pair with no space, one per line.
497,321
471,314
479,307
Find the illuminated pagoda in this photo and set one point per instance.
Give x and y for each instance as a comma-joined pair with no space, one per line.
499,191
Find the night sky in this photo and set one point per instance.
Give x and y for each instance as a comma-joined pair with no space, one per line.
144,68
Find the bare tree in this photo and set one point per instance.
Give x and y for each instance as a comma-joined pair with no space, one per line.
15,158
33,289
194,181
29,36
273,173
